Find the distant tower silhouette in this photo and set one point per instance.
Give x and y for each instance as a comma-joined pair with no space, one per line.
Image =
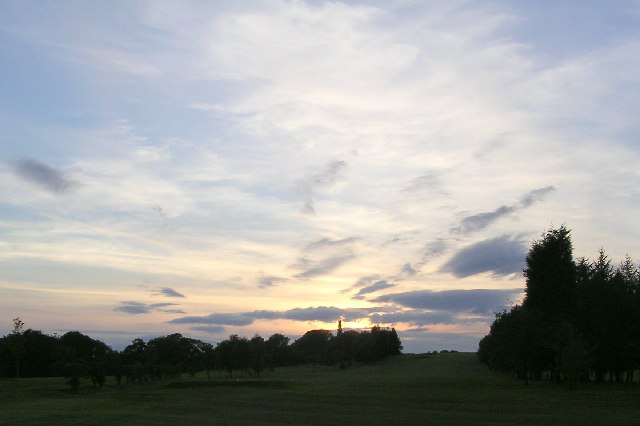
339,326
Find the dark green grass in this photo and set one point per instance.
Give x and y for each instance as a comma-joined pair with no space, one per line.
441,389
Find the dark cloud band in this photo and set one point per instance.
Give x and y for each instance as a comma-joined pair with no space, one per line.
44,176
137,308
476,300
168,292
501,256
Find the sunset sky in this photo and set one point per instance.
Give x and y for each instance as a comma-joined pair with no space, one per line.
235,167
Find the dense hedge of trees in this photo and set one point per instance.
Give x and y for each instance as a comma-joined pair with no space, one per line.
579,320
320,346
31,353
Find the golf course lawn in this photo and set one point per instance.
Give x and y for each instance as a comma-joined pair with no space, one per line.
452,388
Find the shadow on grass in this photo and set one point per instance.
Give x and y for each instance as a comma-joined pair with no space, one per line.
269,384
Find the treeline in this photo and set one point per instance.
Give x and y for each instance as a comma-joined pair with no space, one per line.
579,320
31,353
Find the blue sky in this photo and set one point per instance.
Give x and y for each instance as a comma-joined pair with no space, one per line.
211,168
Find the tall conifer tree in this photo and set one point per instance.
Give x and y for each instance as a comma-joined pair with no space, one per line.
551,274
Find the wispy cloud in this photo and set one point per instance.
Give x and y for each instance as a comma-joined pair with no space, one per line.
168,292
136,308
324,256
408,270
322,267
433,249
330,243
265,281
362,282
430,184
535,196
46,177
366,280
480,221
423,182
375,287
308,186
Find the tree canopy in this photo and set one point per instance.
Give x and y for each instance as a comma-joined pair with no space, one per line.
31,353
579,320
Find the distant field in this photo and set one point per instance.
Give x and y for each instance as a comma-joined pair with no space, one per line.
441,389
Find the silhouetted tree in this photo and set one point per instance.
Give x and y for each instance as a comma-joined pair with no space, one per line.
596,319
364,347
516,343
551,274
135,359
200,355
257,354
224,352
628,276
136,352
387,341
209,358
314,345
241,354
342,347
16,343
576,317
175,354
278,352
234,353
572,361
84,348
628,273
42,354
167,354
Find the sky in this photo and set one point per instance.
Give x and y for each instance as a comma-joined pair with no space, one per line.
218,167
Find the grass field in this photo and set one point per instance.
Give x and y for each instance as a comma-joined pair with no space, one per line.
440,389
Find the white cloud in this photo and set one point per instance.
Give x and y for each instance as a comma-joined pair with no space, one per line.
198,131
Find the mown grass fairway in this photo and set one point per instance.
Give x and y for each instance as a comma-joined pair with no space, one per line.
441,389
